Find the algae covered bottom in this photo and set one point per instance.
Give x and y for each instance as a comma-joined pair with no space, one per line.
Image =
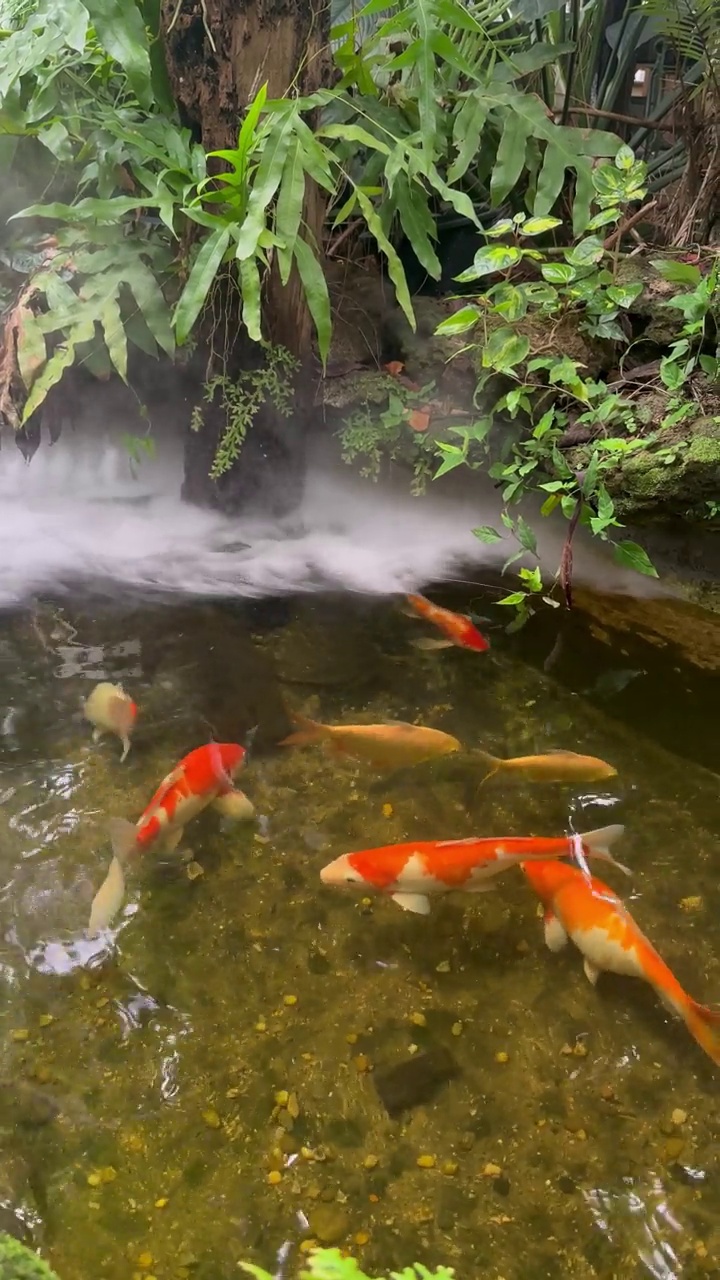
255,1061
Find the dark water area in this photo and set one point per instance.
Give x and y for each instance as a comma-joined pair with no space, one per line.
205,1084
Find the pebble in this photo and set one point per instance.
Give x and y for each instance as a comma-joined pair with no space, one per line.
282,1097
387,811
418,1019
449,1168
161,1203
456,1029
362,1062
361,1238
502,1056
443,967
426,1162
679,1116
293,1106
20,1034
45,1019
212,1118
328,1223
274,1177
492,1170
290,1001
371,1162
580,1049
94,1180
145,1261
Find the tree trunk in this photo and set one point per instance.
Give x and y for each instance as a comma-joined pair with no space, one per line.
219,53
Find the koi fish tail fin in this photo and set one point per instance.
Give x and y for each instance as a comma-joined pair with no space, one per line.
492,763
704,1025
597,843
307,731
107,900
124,838
126,747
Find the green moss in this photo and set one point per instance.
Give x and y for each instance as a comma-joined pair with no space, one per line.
705,451
19,1263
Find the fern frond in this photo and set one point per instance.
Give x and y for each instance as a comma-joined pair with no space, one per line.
691,26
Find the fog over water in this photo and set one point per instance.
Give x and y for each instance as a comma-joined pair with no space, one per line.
80,510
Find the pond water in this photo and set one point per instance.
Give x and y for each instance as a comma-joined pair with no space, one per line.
141,1133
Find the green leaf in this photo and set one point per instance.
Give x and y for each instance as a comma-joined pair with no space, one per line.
536,226
501,228
467,132
602,218
504,350
486,533
586,253
525,535
199,282
633,556
510,157
417,223
460,321
495,257
31,349
509,302
353,133
288,212
266,181
532,578
61,359
516,597
677,272
120,30
152,304
316,294
625,157
88,210
250,289
453,457
624,295
114,334
558,272
395,268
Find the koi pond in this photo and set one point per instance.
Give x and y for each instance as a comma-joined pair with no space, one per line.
208,1082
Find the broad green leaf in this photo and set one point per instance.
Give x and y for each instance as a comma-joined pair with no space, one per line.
624,294
500,228
120,30
417,223
495,257
31,349
199,282
516,597
625,158
353,133
586,252
504,350
288,210
467,132
510,302
453,459
460,321
61,359
532,578
250,289
152,304
486,533
345,209
677,272
525,535
316,294
510,158
114,334
395,267
265,183
87,210
632,556
602,218
536,226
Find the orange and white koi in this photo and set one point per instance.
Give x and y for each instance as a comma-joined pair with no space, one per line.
584,909
111,710
554,766
202,778
410,873
457,628
387,746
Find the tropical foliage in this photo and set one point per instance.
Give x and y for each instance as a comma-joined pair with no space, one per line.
331,1264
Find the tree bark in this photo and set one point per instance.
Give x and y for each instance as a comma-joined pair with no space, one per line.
219,53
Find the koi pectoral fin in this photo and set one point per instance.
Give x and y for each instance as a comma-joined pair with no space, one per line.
107,900
416,902
555,936
126,748
429,643
97,734
592,973
234,805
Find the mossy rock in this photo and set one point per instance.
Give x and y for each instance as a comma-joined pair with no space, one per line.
663,323
646,486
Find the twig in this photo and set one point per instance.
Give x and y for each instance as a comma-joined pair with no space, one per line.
640,122
344,235
626,226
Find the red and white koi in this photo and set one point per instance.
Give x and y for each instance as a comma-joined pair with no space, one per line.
410,873
581,907
202,778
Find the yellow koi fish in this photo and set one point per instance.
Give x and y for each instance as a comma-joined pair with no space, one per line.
387,746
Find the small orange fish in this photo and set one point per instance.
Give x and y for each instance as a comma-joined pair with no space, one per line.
586,910
457,628
554,766
408,873
203,777
387,746
111,710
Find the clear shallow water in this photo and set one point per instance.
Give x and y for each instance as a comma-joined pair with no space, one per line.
139,1121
